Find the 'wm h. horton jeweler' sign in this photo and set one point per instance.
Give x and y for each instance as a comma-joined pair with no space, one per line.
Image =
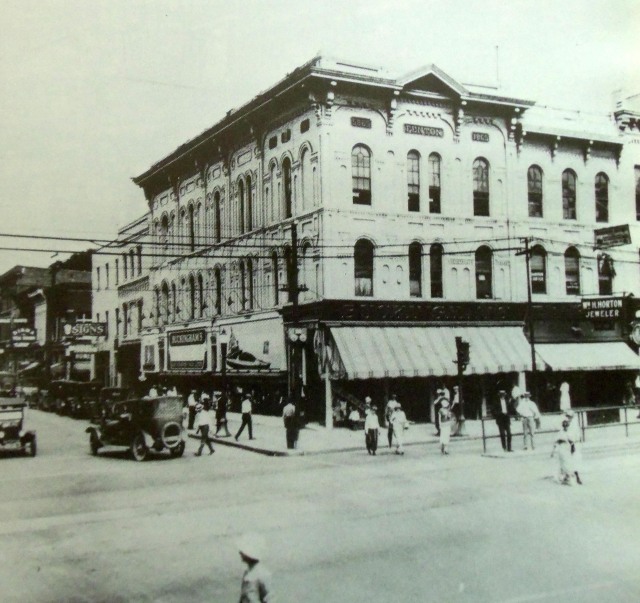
602,308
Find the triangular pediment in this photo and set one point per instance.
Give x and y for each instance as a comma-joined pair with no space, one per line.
432,79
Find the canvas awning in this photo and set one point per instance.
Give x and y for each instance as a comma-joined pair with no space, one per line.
416,351
600,356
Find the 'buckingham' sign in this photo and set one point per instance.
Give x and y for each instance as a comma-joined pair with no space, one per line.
190,337
602,308
423,130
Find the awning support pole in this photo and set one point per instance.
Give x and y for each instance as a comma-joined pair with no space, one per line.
328,402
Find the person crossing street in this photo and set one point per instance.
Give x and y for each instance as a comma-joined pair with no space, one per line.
204,424
246,417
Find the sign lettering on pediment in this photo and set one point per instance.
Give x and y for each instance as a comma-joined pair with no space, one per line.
423,130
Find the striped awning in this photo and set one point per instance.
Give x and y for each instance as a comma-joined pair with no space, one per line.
379,352
597,356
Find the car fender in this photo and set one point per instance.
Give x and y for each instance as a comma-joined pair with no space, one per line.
27,436
95,430
149,440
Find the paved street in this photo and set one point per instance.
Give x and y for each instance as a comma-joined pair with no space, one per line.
341,527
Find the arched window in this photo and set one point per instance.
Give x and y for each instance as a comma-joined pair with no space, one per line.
157,316
363,268
201,304
250,283
480,187
192,297
241,206
249,205
361,175
435,270
174,301
165,302
288,266
538,267
218,283
164,231
273,196
413,181
216,216
602,197
572,271
192,230
276,283
288,196
606,273
534,191
484,273
569,195
307,179
415,269
434,183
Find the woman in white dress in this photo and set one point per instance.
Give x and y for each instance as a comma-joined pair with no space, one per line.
565,397
445,425
563,448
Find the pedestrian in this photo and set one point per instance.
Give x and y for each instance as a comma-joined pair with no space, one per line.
221,415
204,424
502,416
565,397
563,448
153,392
399,424
445,425
441,395
575,435
256,580
371,430
246,417
528,412
456,413
354,418
172,391
290,423
388,414
192,402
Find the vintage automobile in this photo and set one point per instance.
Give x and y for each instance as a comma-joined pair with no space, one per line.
13,436
109,395
74,398
142,424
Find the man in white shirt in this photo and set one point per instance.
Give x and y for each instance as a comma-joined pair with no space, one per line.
528,411
204,424
191,403
246,417
388,413
290,423
371,430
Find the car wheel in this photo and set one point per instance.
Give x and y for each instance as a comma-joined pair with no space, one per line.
31,448
94,443
139,448
178,450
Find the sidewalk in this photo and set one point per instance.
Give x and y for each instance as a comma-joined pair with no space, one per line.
269,437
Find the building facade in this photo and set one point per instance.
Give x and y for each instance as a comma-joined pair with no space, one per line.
334,235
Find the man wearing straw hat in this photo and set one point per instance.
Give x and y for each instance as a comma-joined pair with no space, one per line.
256,580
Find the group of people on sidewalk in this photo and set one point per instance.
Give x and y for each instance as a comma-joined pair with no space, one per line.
522,407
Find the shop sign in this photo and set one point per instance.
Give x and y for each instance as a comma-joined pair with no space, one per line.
479,137
23,337
85,329
423,130
187,350
612,236
361,122
603,308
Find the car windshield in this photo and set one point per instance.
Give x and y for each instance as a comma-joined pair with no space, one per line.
168,408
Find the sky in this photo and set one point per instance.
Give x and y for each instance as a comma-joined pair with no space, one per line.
96,91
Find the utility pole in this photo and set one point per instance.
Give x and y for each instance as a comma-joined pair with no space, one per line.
462,360
534,379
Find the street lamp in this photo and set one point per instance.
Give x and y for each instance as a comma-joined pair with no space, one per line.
297,336
223,338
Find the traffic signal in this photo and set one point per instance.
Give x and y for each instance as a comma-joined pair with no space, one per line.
462,348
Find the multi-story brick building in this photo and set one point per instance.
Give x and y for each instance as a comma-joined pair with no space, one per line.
342,228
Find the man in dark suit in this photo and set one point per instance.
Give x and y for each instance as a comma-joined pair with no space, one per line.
501,413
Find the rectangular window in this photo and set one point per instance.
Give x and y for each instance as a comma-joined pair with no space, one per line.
273,142
413,182
106,276
285,136
117,275
117,331
637,175
304,126
98,278
106,319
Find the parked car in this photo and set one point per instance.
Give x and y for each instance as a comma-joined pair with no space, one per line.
13,435
143,425
73,398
